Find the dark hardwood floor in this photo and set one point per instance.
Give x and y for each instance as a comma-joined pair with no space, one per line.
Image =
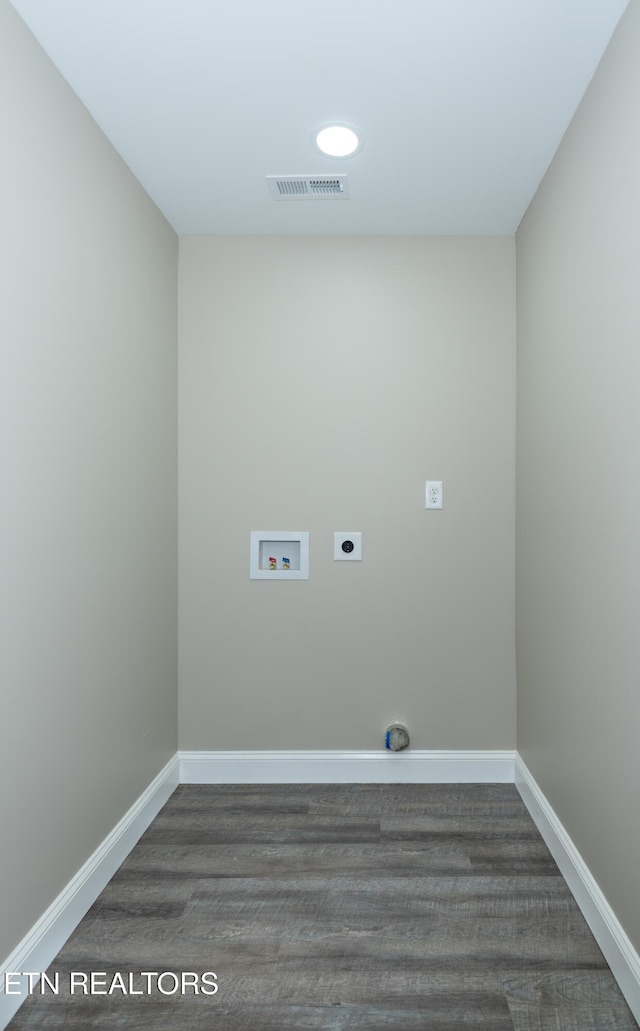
339,908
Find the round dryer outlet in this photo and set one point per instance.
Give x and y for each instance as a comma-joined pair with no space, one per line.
347,545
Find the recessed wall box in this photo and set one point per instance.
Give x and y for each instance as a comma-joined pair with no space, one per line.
279,555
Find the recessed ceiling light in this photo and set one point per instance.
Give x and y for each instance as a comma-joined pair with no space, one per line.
337,141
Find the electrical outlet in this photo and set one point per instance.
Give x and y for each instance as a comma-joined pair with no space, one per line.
433,496
347,546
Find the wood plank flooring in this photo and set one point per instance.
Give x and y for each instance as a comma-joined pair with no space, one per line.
340,908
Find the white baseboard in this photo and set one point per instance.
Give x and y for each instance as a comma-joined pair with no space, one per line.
45,939
411,767
37,950
605,926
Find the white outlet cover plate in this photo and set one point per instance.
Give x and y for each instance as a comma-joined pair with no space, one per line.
433,494
339,538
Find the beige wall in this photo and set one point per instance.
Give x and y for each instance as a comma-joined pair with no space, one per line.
578,485
88,513
322,381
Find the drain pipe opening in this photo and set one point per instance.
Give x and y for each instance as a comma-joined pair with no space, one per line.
396,737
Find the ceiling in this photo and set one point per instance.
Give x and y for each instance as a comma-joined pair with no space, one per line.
460,104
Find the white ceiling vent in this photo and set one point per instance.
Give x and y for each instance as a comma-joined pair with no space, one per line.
308,187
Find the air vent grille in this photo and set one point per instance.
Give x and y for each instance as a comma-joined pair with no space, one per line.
292,187
307,187
326,187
